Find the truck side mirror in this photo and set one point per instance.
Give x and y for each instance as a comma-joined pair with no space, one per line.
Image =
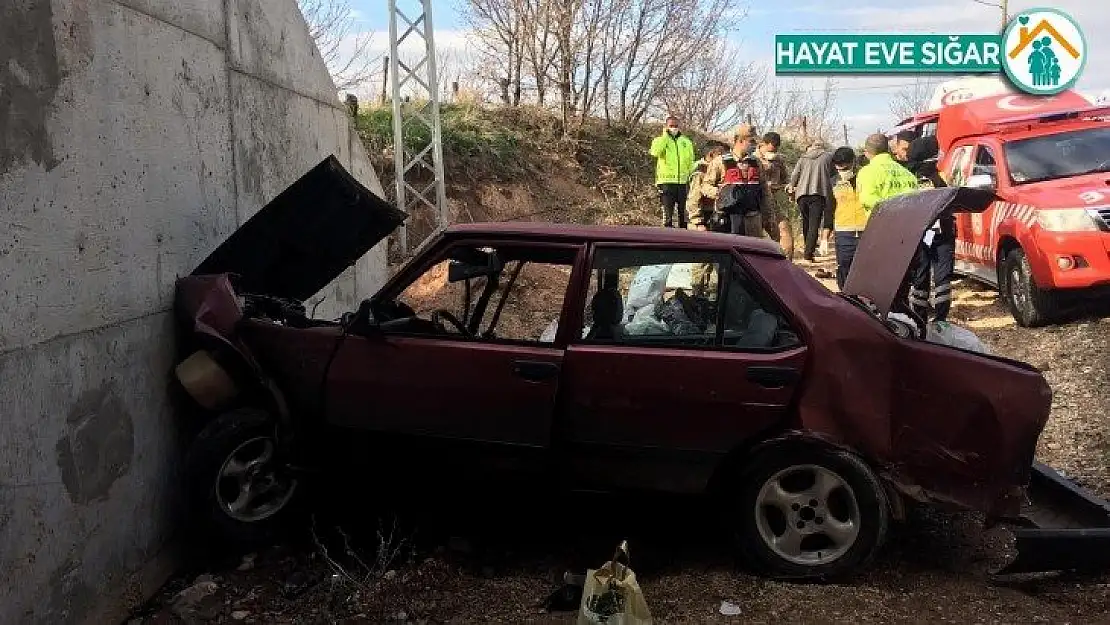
981,181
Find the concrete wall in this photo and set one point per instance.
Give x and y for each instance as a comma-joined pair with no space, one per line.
134,136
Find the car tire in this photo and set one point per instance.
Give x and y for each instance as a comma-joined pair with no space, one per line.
808,512
238,490
1030,305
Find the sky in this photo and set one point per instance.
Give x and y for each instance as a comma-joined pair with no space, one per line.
863,102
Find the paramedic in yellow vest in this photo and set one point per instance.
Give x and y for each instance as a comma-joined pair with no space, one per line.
674,162
882,177
849,217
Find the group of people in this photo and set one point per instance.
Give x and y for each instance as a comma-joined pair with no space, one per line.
746,189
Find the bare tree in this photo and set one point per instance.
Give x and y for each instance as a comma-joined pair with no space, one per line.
912,99
499,30
713,91
655,40
344,48
538,44
615,57
797,110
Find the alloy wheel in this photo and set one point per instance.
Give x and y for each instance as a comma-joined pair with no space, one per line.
250,486
807,515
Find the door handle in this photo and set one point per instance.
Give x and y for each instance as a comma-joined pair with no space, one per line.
773,377
535,371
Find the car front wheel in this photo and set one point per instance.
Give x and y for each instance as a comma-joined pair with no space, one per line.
811,513
238,486
1030,305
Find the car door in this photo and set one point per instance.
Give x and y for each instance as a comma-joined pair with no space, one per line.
659,402
956,172
490,393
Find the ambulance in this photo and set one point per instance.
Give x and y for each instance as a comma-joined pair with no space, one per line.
1045,244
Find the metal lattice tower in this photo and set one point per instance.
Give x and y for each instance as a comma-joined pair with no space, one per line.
412,166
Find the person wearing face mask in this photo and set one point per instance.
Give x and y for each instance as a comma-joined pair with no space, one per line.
776,221
849,216
743,146
674,162
809,183
900,147
702,198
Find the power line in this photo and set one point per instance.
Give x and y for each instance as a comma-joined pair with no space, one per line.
838,88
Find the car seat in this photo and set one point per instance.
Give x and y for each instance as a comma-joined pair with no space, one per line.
762,329
608,308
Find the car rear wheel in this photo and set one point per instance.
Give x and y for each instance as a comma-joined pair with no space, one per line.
811,513
239,489
1030,305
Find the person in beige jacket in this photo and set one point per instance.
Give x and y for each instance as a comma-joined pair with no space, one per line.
702,197
776,220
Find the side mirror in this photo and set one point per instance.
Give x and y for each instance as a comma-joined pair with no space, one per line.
361,321
980,181
485,265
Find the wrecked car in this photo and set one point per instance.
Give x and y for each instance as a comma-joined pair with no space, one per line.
602,358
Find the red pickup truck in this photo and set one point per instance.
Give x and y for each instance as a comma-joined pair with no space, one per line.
1045,244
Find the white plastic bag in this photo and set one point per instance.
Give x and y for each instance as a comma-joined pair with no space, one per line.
944,333
644,323
681,276
646,289
548,335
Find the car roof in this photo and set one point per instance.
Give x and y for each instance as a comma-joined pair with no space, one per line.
615,234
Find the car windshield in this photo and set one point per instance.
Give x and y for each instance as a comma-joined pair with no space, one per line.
1059,155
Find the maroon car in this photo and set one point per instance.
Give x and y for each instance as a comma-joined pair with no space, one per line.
598,357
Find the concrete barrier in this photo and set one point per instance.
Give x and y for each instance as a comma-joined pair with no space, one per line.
134,136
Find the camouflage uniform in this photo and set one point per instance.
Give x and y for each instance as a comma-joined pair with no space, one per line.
777,206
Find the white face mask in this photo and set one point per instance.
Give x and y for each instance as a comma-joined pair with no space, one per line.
673,131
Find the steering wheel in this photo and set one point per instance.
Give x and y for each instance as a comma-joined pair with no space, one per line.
439,316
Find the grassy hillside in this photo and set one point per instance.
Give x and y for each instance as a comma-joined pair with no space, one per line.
515,164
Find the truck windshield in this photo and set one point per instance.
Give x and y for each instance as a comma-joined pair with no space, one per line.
1060,155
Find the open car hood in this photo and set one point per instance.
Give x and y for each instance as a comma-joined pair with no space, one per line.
893,233
306,236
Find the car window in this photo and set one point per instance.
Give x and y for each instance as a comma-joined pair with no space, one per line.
984,162
653,297
679,299
532,304
751,319
1059,155
957,169
483,293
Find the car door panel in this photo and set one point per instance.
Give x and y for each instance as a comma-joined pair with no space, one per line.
646,411
645,417
446,388
710,406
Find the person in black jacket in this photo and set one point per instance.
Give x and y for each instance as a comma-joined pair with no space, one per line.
937,253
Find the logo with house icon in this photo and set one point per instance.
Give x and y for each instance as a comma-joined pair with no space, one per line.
1044,51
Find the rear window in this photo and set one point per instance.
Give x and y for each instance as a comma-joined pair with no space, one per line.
1059,155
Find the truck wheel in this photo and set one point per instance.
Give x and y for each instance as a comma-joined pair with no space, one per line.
811,513
1030,305
238,489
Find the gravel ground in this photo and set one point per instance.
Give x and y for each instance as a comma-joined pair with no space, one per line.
498,565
